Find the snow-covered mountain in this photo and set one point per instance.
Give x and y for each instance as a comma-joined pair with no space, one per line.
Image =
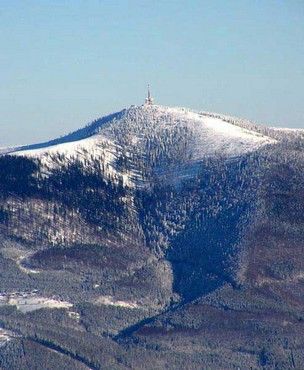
163,236
150,133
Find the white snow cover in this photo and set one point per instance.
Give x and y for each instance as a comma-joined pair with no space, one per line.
128,132
111,301
27,302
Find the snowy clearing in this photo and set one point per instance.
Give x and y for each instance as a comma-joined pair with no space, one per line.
110,301
27,302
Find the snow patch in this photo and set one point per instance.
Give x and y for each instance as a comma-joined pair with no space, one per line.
23,268
27,302
111,301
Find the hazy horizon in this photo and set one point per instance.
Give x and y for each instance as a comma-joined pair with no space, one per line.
66,64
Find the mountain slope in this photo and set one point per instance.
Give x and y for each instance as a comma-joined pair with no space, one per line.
141,134
149,230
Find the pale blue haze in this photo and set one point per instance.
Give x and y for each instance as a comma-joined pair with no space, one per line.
64,63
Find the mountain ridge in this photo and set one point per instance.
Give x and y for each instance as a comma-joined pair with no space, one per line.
139,130
94,127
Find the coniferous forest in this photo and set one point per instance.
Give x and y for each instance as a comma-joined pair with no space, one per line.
155,258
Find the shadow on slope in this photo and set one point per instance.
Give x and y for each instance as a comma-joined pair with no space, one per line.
205,254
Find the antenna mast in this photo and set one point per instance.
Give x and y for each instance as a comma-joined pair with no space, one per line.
149,99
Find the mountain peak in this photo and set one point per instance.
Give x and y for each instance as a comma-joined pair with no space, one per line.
149,138
151,116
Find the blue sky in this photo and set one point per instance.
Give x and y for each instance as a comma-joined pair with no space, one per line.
65,63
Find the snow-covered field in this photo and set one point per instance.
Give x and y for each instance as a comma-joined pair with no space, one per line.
111,301
27,302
